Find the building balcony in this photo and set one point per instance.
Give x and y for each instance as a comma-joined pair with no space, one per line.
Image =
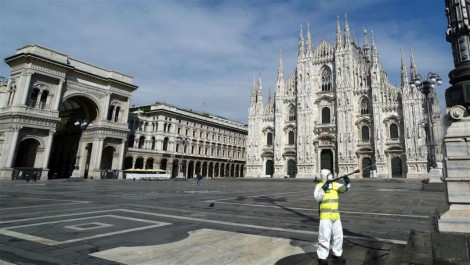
325,128
390,141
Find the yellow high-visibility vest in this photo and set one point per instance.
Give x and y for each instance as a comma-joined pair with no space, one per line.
329,206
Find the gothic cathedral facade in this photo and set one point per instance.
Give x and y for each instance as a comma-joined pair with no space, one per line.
337,110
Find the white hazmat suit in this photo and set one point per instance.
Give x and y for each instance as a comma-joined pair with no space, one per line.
330,223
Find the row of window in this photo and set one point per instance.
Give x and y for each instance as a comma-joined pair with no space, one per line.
325,112
196,150
365,134
134,124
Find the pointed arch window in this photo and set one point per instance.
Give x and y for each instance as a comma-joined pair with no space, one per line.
141,142
153,143
393,131
165,144
325,115
292,116
365,106
269,139
291,138
116,115
365,133
34,97
326,79
110,112
130,143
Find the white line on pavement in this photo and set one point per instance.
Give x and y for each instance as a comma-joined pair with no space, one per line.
394,241
41,206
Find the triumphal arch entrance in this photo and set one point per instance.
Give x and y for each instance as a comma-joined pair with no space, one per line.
61,117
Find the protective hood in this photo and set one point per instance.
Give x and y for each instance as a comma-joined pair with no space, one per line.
325,175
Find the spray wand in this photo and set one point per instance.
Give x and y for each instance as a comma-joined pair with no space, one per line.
343,176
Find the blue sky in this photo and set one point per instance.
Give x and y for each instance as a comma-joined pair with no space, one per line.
202,55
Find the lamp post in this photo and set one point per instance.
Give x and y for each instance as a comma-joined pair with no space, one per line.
183,141
81,125
426,86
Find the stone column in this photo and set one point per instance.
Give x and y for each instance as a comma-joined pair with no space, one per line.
7,98
58,94
121,155
12,144
37,105
47,149
26,88
456,148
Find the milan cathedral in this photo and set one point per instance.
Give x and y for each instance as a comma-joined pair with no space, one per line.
337,110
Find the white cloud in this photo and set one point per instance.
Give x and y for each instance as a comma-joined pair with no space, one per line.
203,54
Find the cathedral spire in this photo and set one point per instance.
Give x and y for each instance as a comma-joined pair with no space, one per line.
346,30
280,67
404,75
413,70
375,57
339,43
366,46
301,44
309,41
254,91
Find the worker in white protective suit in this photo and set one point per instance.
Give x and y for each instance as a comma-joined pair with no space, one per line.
326,192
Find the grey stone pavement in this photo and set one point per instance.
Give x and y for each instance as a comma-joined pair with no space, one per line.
230,221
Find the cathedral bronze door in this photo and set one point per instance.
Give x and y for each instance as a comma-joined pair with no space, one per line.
326,160
366,167
269,167
396,168
291,168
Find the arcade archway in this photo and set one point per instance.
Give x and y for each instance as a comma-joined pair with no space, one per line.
64,155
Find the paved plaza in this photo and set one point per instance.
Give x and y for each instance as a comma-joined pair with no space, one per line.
218,222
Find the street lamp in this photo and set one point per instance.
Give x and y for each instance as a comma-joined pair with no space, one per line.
183,141
426,86
81,125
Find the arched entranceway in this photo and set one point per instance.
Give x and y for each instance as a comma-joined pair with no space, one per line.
76,114
149,163
175,169
163,163
366,167
27,151
396,167
127,163
191,169
139,163
326,159
216,170
204,169
211,170
291,168
269,167
107,158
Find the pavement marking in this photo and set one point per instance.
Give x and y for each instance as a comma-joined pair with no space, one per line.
192,219
392,190
43,205
209,246
40,206
201,191
3,262
7,231
87,226
316,209
56,216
